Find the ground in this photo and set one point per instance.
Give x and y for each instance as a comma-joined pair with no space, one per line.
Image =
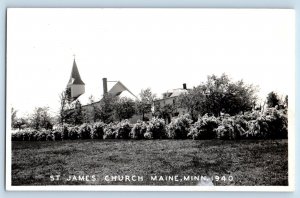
248,162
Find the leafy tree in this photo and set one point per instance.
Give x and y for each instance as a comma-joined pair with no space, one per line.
164,111
41,118
124,108
13,117
64,107
219,94
144,105
273,99
105,112
194,101
20,123
77,115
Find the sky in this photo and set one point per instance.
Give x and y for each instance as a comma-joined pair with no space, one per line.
156,48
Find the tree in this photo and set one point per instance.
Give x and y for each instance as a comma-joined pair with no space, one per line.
77,115
105,112
194,101
13,117
273,99
124,108
20,123
219,94
164,111
41,118
144,105
63,109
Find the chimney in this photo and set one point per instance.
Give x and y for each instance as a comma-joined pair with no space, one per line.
184,86
104,85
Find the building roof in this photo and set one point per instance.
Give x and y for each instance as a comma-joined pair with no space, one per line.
172,93
177,92
75,78
118,88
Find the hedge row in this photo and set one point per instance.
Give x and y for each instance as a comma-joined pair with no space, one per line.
272,124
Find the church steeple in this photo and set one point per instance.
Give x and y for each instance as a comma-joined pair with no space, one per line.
75,78
75,86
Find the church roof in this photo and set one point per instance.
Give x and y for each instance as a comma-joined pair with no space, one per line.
118,88
75,78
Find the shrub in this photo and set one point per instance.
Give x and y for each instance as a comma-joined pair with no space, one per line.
98,130
148,135
42,135
241,126
156,129
110,131
123,129
61,132
251,115
85,131
73,133
226,129
204,128
272,124
50,136
278,123
138,131
16,136
179,127
57,135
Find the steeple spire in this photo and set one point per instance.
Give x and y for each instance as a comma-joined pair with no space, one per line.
75,78
75,85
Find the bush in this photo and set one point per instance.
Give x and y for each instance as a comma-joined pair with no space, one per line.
98,130
42,135
278,123
204,128
85,131
16,136
123,129
251,115
226,129
272,124
138,131
73,133
110,131
57,135
61,132
179,127
50,136
156,129
29,135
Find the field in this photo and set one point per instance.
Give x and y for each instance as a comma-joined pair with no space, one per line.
249,162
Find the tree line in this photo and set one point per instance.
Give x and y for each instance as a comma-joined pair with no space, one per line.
216,96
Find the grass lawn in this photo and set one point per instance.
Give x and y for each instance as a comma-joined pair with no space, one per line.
249,162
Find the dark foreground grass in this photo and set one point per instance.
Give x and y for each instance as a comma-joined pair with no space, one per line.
249,162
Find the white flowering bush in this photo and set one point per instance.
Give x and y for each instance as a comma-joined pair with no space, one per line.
156,129
43,135
138,131
123,130
85,131
226,129
272,124
98,130
204,128
179,127
73,133
110,131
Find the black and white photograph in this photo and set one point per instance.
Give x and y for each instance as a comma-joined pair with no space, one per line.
148,99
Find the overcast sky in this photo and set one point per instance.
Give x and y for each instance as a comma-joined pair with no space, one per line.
156,48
